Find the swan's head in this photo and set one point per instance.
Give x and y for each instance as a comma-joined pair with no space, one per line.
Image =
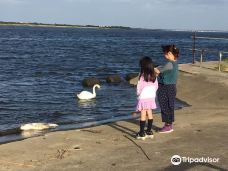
97,85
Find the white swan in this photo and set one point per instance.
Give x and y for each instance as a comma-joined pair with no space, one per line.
85,95
37,126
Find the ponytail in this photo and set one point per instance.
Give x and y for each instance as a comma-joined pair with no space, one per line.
171,48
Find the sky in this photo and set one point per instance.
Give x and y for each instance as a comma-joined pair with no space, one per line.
152,14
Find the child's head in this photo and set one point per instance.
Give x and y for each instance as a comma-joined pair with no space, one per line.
147,69
171,52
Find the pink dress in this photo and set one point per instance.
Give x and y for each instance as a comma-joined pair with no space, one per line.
146,92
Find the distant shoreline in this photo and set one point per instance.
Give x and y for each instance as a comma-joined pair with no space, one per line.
22,24
59,25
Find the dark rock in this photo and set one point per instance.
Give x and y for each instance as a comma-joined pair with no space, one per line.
131,75
90,82
113,79
134,81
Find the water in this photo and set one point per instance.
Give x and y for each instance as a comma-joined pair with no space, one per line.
42,69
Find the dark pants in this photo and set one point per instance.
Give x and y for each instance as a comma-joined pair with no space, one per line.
166,98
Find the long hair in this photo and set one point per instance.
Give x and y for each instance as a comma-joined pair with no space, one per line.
147,69
171,48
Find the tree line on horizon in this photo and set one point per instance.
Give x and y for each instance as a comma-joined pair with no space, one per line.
64,25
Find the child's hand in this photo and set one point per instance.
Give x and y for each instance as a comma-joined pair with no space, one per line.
156,70
134,114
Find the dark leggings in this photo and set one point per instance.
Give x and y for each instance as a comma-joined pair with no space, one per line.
166,97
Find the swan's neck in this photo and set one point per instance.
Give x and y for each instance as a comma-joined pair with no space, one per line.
94,92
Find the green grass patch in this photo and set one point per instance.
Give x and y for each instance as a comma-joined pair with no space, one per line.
223,67
225,59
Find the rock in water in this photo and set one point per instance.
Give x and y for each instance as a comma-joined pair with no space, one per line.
134,81
90,82
131,76
113,79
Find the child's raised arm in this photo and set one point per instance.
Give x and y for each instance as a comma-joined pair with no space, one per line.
156,70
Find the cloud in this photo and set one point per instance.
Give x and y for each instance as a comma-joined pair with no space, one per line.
13,1
136,2
193,2
135,13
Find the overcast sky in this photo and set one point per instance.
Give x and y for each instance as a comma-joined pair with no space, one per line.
155,14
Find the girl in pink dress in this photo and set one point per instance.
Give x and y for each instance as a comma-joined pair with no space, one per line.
146,92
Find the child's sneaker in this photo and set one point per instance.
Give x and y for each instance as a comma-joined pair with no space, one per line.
140,136
171,126
149,134
166,129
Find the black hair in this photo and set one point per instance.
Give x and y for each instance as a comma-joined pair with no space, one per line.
147,69
171,48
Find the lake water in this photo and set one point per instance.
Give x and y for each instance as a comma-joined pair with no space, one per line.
42,69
